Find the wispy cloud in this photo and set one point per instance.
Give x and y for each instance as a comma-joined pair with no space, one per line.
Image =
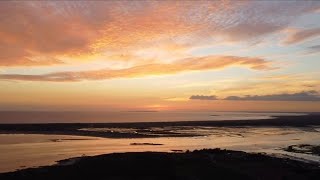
313,49
301,35
184,65
300,96
202,97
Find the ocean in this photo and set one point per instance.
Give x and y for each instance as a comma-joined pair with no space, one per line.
25,150
130,116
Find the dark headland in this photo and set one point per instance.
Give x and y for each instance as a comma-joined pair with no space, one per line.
197,165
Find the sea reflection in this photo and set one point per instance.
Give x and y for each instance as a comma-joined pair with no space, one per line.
192,131
27,150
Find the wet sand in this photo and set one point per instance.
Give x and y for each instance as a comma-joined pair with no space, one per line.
196,165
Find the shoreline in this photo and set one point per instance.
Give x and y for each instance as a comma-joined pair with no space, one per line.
144,129
198,164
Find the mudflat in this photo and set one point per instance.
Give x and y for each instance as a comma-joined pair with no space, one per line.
153,129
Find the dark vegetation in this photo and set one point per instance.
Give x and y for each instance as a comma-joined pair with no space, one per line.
197,165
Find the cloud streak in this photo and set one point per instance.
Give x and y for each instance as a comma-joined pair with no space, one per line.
184,65
313,49
301,35
202,97
300,96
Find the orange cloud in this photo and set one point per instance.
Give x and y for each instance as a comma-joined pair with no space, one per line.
72,28
49,30
35,29
188,64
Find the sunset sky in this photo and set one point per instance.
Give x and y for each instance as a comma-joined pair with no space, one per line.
160,55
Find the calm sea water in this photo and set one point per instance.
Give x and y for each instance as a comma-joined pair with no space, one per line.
105,117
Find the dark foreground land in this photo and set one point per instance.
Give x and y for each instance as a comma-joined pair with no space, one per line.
154,129
197,165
